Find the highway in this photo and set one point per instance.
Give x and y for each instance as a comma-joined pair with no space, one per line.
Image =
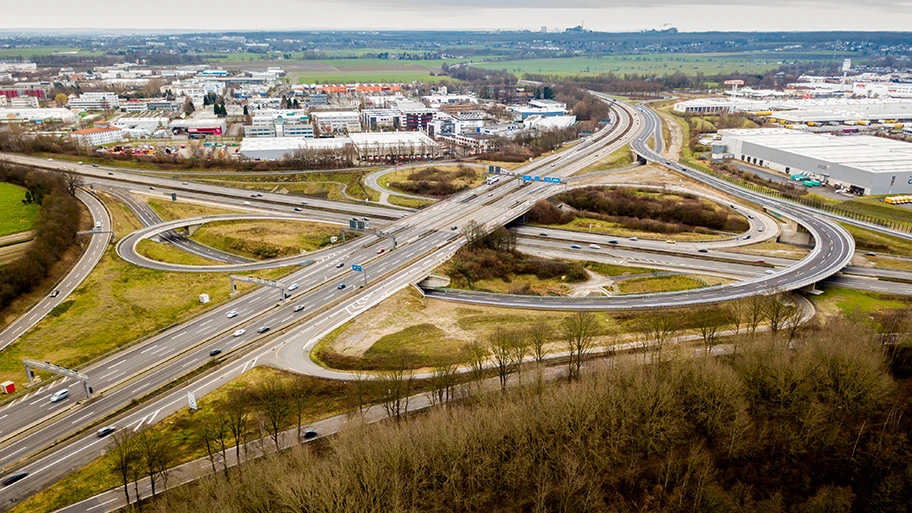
81,269
149,217
424,241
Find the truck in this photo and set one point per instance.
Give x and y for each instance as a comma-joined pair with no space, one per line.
492,179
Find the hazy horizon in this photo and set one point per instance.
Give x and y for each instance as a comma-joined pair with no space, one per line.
468,15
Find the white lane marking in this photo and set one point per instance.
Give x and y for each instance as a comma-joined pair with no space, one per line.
178,335
153,416
148,349
115,374
102,504
139,424
14,452
3,417
116,364
83,417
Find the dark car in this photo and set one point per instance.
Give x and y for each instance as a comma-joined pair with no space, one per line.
55,293
105,431
263,329
543,234
341,286
215,352
612,241
12,478
454,227
339,265
703,250
310,434
298,209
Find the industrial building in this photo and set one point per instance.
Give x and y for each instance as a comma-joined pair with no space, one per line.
394,146
802,111
543,108
276,148
862,164
337,121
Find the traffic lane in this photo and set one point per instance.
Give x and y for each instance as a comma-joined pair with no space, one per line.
868,284
634,259
81,269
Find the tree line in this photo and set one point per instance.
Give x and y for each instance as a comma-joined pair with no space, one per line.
812,423
55,228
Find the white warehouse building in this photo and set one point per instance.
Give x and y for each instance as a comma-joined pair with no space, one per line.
870,164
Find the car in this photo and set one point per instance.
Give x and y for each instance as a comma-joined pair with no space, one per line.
634,239
55,293
575,246
293,286
381,250
263,329
105,431
769,271
183,183
340,265
303,202
761,261
595,246
253,195
239,332
298,209
215,352
703,250
298,308
454,227
246,202
669,241
110,173
232,313
553,164
96,165
365,219
341,286
490,194
612,241
151,188
50,160
870,253
746,237
12,478
760,229
543,234
750,216
310,434
732,206
60,395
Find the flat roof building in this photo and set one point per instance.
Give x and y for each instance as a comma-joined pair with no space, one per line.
394,146
337,121
872,165
98,136
275,148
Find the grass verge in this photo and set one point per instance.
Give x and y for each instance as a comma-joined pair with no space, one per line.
673,283
622,157
15,216
266,239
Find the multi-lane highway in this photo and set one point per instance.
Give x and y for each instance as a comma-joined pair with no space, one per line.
424,240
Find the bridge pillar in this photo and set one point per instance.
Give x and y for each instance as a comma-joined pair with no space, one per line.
811,289
192,229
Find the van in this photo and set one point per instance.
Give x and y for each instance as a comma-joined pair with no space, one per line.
97,224
60,395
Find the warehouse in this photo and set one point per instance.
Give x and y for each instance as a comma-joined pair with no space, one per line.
277,148
862,164
394,146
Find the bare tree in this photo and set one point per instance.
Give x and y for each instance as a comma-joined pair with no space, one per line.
123,456
502,346
212,431
736,312
300,392
477,358
72,181
754,313
661,329
792,321
277,409
775,308
155,455
711,321
396,384
443,379
238,419
579,331
539,335
360,387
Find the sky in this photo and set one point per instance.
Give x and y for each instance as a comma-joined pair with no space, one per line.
601,15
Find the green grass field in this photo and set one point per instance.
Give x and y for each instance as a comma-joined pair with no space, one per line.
875,207
15,216
661,64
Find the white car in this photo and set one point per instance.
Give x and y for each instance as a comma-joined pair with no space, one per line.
246,202
232,313
298,308
634,239
60,395
239,332
595,246
293,286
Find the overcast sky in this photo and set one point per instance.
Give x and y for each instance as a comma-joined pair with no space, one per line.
603,15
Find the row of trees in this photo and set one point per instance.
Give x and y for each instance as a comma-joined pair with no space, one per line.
816,425
55,228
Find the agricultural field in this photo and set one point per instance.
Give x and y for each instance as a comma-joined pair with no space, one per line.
15,216
661,64
28,53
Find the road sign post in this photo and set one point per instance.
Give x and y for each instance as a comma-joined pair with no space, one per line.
360,269
191,400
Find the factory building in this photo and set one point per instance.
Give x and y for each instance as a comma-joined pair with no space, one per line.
337,121
861,164
98,136
394,146
277,148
